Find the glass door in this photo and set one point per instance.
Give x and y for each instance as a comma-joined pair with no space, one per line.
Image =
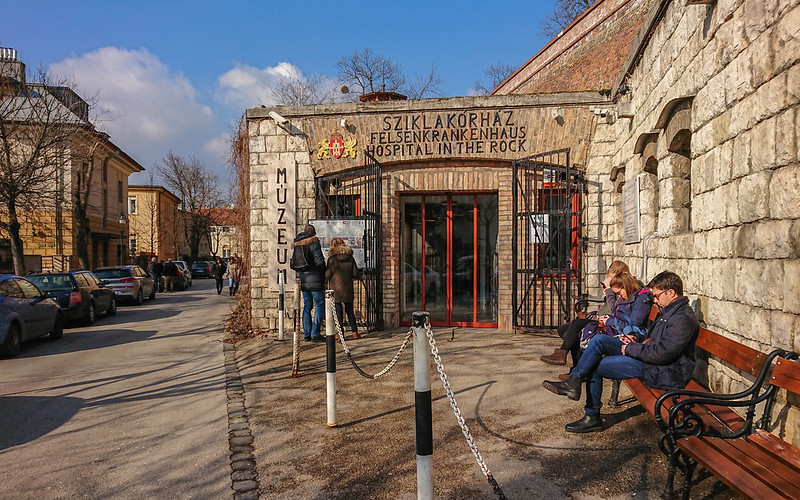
449,261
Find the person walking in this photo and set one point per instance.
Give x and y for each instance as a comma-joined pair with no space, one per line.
342,269
170,273
156,271
218,270
233,273
312,280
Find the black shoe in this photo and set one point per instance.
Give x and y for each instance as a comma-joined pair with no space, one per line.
589,423
318,339
570,388
307,339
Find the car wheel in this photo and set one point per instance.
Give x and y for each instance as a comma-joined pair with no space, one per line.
139,297
90,314
152,295
58,328
13,343
112,308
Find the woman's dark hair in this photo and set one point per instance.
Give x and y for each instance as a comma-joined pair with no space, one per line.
667,280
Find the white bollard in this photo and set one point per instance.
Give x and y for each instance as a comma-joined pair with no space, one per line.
423,412
330,355
281,303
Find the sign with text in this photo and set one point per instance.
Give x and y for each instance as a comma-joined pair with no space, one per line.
280,191
631,223
457,133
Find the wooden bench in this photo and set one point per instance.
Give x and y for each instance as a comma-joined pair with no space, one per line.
701,427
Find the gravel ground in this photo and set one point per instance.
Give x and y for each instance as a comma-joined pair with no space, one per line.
496,377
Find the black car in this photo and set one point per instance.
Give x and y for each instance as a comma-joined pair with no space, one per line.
201,269
80,294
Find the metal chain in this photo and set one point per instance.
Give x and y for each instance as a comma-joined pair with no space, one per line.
358,369
459,417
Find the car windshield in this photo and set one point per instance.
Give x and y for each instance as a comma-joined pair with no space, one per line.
52,282
200,265
112,273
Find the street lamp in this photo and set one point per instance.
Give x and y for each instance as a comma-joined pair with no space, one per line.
122,221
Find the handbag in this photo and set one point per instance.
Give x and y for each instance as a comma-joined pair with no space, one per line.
588,332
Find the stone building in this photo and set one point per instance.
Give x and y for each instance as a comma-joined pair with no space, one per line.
681,122
706,125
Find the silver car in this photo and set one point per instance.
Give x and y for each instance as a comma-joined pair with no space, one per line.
130,283
186,271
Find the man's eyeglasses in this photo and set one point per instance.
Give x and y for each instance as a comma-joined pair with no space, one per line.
659,294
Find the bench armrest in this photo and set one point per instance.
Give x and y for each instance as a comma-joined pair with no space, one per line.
690,412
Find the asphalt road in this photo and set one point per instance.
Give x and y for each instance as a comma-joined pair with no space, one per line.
133,406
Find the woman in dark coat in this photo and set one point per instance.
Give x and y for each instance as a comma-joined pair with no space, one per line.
341,271
218,270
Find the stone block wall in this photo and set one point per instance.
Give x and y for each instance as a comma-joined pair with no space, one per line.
728,221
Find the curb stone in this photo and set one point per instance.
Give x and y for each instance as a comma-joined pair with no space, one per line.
244,477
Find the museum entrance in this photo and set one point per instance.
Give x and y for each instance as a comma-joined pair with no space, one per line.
448,244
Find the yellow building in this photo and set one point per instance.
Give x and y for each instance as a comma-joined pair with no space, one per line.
80,175
154,223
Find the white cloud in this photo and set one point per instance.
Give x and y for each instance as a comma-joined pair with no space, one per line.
153,108
247,86
219,145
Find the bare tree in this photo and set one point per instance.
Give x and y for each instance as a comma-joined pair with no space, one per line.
496,74
199,193
299,90
564,12
40,132
365,71
427,85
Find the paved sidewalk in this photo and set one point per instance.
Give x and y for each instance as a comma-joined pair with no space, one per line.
518,426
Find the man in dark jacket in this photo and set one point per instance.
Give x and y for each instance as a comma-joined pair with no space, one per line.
156,271
170,274
312,282
665,359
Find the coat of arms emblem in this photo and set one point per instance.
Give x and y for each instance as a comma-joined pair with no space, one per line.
336,145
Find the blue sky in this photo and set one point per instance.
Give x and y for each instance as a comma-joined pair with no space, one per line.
177,75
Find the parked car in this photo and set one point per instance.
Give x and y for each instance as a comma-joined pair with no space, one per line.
80,294
25,313
201,269
131,283
187,273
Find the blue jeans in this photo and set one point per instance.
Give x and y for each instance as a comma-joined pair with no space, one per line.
316,299
603,359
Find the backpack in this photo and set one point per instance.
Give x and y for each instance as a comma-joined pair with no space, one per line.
299,261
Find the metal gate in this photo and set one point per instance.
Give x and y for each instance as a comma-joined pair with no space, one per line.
356,195
547,242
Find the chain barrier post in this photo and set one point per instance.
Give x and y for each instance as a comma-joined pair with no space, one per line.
281,302
330,355
296,326
422,407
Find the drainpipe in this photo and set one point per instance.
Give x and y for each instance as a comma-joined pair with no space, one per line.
644,255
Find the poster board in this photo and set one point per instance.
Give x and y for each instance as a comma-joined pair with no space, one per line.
631,215
352,231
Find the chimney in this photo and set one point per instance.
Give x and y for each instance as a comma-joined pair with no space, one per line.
10,67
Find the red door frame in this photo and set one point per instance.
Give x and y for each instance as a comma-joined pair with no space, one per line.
449,265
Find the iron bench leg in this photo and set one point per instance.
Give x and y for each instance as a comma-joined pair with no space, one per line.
613,402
